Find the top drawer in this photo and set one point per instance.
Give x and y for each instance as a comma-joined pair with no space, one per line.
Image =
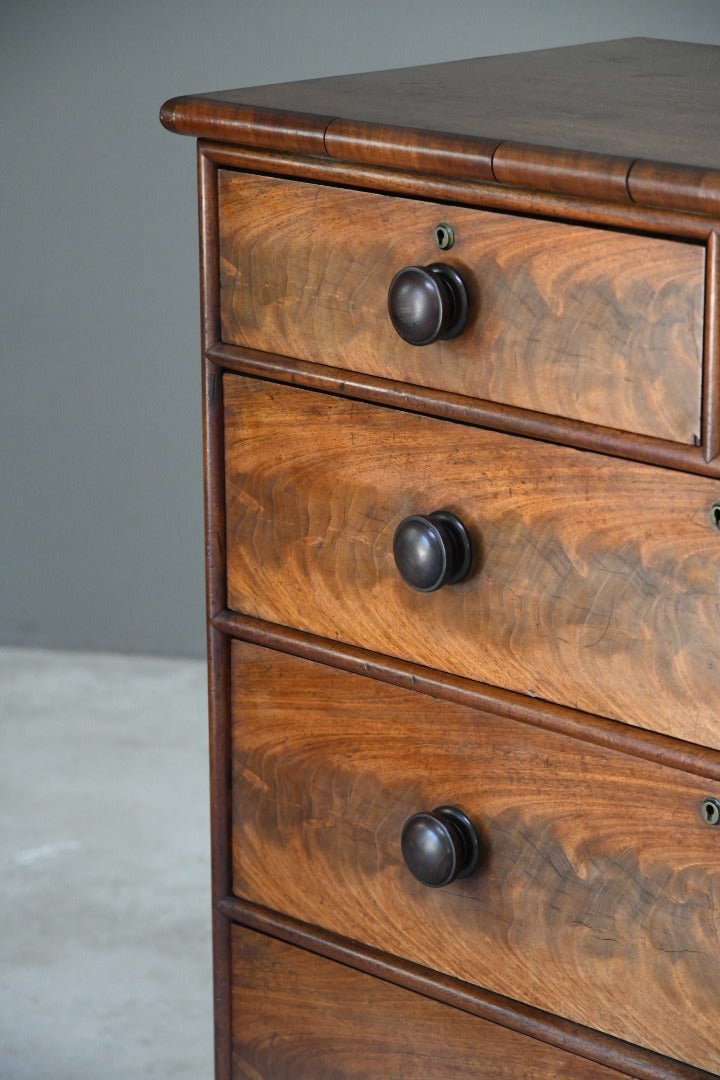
591,324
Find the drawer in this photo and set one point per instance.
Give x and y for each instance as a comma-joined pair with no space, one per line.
295,1017
594,582
598,896
592,324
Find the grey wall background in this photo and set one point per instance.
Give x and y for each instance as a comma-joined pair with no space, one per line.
100,476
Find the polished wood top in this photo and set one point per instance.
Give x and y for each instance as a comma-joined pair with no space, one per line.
634,120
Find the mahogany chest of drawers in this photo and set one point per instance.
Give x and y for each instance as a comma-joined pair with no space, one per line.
462,426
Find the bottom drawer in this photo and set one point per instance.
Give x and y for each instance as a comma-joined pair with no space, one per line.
296,1015
598,899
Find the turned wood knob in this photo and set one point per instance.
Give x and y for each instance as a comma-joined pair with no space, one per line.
432,551
441,846
428,303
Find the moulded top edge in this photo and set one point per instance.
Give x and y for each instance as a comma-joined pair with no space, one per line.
634,121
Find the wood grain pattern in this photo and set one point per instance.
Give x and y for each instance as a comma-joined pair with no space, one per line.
600,893
447,406
610,734
655,102
594,585
296,1017
220,794
711,387
282,129
701,459
574,172
218,650
675,186
487,195
593,325
575,1039
425,152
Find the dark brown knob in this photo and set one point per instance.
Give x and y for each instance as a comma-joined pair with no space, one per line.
432,551
428,303
441,846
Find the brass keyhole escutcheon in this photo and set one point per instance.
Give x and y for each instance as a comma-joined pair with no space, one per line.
715,515
444,236
711,811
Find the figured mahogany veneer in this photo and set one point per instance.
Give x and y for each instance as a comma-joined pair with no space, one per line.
563,694
594,325
338,1022
600,880
595,582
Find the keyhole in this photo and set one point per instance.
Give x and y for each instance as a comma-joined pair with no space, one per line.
715,515
711,811
444,236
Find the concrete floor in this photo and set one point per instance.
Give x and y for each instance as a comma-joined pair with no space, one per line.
104,876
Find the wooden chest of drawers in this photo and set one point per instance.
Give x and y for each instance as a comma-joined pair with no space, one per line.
462,411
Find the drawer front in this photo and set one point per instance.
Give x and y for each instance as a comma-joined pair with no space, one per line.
598,898
297,1016
595,325
594,584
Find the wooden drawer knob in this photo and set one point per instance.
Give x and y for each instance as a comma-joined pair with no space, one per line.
428,303
432,551
440,846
